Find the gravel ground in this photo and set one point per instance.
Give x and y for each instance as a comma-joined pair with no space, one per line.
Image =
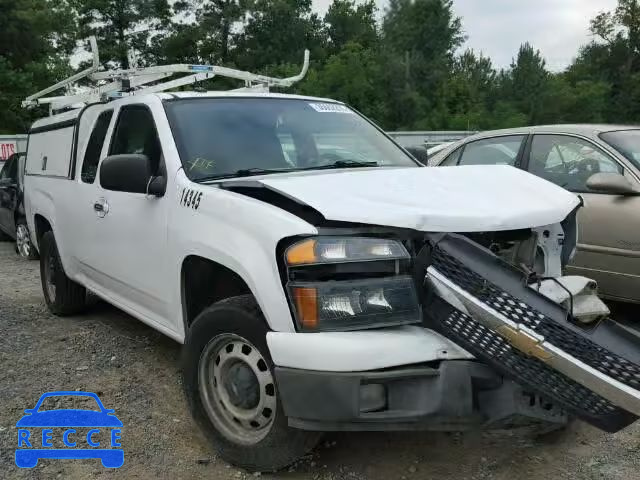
135,370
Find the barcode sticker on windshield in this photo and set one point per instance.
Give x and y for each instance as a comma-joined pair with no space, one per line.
329,108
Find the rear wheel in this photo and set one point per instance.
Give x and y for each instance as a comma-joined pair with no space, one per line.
63,295
24,247
229,383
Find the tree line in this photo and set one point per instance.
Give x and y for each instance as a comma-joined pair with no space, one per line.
405,67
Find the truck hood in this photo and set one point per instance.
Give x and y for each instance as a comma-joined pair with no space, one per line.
443,199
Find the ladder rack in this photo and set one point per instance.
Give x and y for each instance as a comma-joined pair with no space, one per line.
111,84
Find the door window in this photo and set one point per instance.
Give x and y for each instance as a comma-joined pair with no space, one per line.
569,161
94,147
492,151
136,133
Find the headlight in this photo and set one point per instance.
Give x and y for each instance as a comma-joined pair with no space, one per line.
344,249
355,304
350,283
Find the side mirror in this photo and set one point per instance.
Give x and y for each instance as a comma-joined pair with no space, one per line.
157,186
131,173
420,153
612,183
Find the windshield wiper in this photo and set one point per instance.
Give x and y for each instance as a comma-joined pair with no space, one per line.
245,172
248,172
342,164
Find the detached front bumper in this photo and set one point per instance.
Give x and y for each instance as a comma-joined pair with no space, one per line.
486,307
454,395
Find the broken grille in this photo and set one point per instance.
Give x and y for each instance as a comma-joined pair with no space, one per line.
530,372
517,311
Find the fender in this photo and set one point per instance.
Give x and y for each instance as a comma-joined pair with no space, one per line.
238,232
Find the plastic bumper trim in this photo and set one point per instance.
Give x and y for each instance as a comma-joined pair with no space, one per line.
533,344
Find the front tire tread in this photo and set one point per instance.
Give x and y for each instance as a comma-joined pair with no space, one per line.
283,445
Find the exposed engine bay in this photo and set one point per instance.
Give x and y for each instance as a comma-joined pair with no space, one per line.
541,255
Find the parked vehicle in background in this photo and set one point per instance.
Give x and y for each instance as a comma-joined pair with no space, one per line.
13,223
600,163
10,144
434,150
419,152
423,153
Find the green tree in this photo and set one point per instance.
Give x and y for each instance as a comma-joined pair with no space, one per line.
120,25
201,31
614,58
348,21
352,76
420,38
35,42
470,92
623,25
277,32
527,82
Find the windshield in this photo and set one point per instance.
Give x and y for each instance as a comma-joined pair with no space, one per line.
224,136
627,142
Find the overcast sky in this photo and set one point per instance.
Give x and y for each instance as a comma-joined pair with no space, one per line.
498,27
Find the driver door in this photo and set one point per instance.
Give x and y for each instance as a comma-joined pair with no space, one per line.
608,224
127,258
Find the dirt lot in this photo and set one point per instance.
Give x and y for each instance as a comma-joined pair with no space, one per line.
134,370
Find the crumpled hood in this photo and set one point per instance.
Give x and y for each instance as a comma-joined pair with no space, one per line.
442,199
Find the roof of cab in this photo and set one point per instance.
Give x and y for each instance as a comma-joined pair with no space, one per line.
241,94
73,114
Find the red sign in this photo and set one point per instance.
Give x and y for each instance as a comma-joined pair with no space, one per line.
7,149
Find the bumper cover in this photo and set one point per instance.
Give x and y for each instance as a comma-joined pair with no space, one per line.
452,396
485,306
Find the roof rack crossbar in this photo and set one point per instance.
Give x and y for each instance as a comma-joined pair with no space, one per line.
95,65
126,82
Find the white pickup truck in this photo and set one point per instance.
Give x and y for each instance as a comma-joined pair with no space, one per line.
320,278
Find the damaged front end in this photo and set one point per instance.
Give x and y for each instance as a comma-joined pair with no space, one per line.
514,311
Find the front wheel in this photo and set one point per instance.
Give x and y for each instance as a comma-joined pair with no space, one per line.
24,247
231,390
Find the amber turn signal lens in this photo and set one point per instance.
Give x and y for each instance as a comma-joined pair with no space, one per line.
306,300
302,253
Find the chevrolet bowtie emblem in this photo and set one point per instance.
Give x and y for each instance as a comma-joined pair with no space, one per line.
525,343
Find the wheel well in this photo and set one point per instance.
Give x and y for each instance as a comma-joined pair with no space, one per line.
42,227
205,282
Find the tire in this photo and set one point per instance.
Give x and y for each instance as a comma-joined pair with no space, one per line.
63,296
266,445
24,246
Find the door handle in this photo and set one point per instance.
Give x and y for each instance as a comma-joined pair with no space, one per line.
101,207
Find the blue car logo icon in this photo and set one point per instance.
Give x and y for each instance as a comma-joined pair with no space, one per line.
72,427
